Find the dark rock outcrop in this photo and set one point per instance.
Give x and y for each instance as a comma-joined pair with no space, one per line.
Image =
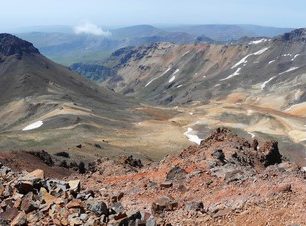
270,153
12,45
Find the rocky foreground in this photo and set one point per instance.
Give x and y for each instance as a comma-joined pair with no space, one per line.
224,181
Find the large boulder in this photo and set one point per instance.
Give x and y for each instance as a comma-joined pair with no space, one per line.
270,154
176,173
164,203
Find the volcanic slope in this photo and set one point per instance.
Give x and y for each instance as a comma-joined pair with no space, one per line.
166,73
257,86
45,105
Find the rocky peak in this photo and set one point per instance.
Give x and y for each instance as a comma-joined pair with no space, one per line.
295,35
11,45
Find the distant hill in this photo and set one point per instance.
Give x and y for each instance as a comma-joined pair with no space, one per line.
68,48
41,96
224,33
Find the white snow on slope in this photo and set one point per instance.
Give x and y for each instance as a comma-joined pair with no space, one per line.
186,53
237,72
172,79
179,86
244,59
258,41
295,56
32,126
176,71
192,137
173,75
252,134
272,61
158,77
263,85
289,70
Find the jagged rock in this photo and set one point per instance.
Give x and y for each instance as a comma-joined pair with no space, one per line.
120,216
46,197
255,144
166,184
117,207
164,203
283,188
27,183
118,197
176,173
44,156
9,214
86,195
11,45
151,221
92,221
8,191
98,146
4,170
24,187
92,167
63,154
194,206
56,184
218,154
20,220
82,168
27,203
74,219
133,162
74,186
270,153
97,207
64,164
73,165
4,222
84,217
75,203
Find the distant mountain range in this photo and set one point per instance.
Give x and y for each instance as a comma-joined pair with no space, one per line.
167,73
63,46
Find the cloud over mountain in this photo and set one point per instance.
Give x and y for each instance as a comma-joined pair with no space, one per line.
89,28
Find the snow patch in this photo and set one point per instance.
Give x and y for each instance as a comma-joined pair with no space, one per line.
244,59
237,72
173,75
158,77
179,86
192,137
176,71
32,126
272,61
263,85
252,134
295,56
186,53
289,70
258,41
172,79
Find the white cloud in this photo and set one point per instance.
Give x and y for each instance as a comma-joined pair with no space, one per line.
89,28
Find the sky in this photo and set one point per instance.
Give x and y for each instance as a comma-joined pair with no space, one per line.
25,13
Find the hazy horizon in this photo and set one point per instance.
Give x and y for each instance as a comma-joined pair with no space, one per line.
118,13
